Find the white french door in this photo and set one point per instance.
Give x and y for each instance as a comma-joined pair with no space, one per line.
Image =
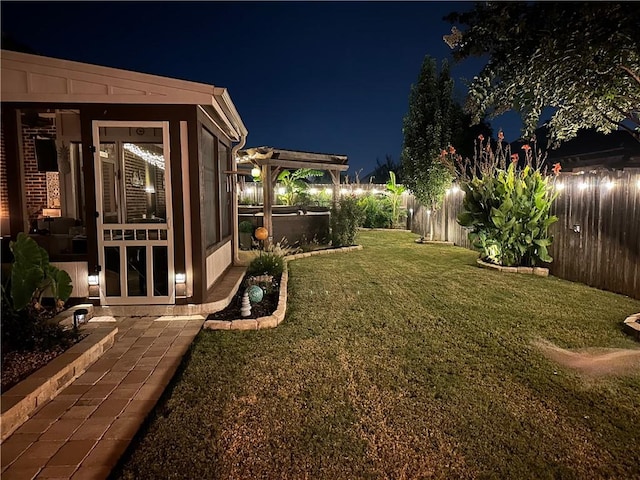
133,201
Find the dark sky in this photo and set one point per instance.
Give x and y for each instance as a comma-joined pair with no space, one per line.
329,77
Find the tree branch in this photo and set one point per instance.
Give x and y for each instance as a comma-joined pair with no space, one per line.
631,72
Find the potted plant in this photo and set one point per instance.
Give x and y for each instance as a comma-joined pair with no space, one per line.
245,229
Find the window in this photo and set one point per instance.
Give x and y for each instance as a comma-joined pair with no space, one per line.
209,187
225,190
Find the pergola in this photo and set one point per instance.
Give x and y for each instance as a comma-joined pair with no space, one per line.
272,161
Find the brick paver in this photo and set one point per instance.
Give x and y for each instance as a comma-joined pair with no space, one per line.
83,432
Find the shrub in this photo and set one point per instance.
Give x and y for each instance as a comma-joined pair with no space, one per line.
245,227
267,263
346,217
508,211
377,210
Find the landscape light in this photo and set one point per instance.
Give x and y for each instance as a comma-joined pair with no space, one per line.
181,284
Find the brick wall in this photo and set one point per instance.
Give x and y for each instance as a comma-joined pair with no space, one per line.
35,181
136,195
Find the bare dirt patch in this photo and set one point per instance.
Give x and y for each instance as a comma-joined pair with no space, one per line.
594,362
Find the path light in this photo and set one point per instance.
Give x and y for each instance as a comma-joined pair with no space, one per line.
79,317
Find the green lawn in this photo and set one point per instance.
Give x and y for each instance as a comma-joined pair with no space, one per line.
402,361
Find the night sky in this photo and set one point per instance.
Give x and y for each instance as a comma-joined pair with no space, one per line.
328,77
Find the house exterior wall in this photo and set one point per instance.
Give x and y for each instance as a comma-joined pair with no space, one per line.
218,262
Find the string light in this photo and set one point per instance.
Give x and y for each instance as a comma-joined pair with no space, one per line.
281,190
313,191
328,191
359,191
151,158
559,186
609,184
583,185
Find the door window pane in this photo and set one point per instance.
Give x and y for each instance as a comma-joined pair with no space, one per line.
144,183
112,271
160,272
137,271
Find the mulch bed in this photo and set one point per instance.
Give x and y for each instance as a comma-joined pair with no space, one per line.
16,366
265,307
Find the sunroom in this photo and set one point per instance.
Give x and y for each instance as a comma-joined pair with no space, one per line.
125,178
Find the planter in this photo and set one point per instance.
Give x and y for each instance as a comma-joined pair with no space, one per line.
20,401
540,271
245,241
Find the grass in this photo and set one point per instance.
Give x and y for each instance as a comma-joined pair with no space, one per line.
402,361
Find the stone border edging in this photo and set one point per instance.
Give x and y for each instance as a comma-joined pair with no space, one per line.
20,401
540,271
273,320
632,325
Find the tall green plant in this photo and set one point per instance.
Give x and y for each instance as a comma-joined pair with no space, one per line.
294,184
346,217
32,275
508,211
395,192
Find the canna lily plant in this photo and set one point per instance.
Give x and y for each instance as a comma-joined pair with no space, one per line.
507,208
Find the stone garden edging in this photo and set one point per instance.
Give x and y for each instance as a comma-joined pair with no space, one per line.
540,271
632,325
20,401
273,320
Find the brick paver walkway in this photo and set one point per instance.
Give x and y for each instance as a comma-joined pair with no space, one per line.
83,432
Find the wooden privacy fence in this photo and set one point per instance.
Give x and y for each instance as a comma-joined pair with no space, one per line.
596,240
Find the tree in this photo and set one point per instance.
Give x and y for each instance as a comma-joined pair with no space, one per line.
382,170
581,59
428,129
